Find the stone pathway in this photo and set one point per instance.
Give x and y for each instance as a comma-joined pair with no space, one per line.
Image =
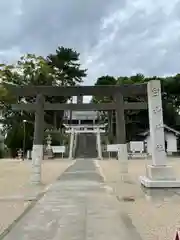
76,207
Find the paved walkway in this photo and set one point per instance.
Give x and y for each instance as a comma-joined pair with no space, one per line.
76,207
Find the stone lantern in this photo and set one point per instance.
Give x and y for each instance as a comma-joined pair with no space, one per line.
20,153
49,147
49,141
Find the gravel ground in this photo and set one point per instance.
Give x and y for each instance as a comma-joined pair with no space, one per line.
15,189
155,213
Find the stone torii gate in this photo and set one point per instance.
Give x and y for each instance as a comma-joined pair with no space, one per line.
158,174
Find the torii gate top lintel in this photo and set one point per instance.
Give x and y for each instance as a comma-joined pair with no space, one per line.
105,90
85,128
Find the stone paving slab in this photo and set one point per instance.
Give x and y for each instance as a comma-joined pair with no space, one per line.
154,212
16,192
76,207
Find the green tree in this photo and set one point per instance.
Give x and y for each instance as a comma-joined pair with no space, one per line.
137,120
59,69
109,115
68,72
66,63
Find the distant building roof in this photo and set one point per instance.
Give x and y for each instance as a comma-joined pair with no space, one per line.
165,127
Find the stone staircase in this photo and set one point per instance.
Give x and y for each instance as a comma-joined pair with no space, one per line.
86,146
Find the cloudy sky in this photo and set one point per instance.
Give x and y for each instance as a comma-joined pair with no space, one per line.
115,37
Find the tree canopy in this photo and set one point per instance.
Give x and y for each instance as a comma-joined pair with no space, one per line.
137,120
61,68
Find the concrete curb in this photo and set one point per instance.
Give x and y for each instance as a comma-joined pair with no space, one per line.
107,188
100,169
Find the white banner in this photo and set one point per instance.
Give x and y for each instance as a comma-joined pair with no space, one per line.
58,149
136,146
113,147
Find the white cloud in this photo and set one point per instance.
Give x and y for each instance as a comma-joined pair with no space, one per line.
10,55
143,36
114,37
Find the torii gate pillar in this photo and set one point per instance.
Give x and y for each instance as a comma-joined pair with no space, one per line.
98,137
37,151
121,132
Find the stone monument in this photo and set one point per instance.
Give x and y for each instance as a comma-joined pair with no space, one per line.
159,174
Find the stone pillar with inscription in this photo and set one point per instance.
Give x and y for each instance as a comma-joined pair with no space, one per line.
156,123
158,174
